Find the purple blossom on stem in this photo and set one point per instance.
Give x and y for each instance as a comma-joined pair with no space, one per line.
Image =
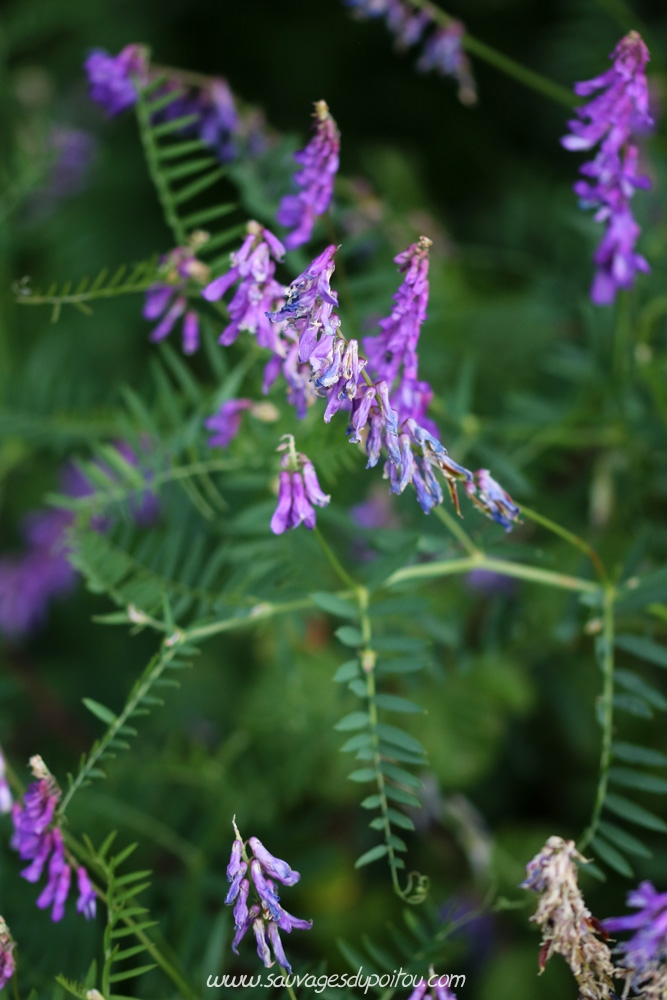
226,423
645,952
298,490
167,299
38,840
319,164
110,77
6,954
265,916
610,119
258,292
492,499
443,52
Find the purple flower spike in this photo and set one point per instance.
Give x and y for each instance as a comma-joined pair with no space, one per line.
166,298
110,77
319,163
227,422
444,53
274,866
87,901
611,119
281,518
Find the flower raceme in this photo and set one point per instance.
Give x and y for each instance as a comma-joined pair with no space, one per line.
38,839
611,118
266,916
319,164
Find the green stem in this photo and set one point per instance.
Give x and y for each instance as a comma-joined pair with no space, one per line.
535,81
425,571
340,572
259,613
452,524
290,991
570,537
158,178
607,715
177,979
153,671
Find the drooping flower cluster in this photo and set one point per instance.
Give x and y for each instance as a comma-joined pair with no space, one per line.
110,78
112,85
443,46
38,839
319,164
167,298
299,489
568,927
30,581
611,119
645,953
399,423
266,916
5,791
6,954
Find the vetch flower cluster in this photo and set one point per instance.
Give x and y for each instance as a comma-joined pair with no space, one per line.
443,46
112,85
167,298
299,489
6,954
568,927
645,952
38,839
611,118
319,164
266,916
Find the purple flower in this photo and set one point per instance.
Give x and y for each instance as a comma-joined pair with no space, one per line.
297,492
110,77
72,152
87,901
6,956
253,267
236,884
266,916
610,119
319,163
57,887
647,948
443,52
227,422
273,866
219,119
166,299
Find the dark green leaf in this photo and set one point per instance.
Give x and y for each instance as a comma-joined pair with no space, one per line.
356,742
400,774
372,802
633,754
399,795
374,854
400,819
624,840
355,720
104,714
634,814
335,605
346,671
645,649
633,705
638,779
349,636
612,857
392,703
631,682
400,739
363,774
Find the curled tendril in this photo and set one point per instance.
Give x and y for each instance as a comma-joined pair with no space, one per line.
415,894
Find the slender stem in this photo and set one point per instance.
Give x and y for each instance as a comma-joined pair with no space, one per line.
452,524
570,537
259,613
290,991
157,176
522,74
607,721
342,573
425,571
